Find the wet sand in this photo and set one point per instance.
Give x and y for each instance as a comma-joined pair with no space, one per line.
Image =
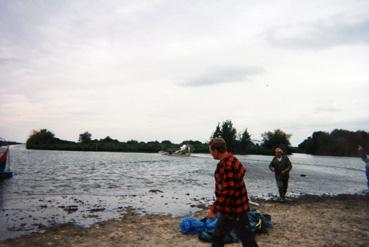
308,221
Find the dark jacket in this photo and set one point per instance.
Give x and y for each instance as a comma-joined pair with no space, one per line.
281,166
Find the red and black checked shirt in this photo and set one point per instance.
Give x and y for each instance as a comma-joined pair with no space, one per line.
230,188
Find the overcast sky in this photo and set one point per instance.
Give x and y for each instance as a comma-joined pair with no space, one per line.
171,70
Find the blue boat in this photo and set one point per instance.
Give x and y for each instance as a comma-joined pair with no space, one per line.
4,168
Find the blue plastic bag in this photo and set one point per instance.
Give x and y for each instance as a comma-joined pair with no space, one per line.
190,225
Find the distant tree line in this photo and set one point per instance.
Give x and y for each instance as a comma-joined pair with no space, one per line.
4,142
339,142
45,139
239,143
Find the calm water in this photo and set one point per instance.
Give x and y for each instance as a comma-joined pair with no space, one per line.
97,186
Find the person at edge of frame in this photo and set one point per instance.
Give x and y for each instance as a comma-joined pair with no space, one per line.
365,158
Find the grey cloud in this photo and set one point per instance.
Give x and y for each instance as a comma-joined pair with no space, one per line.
354,124
326,109
6,61
320,35
82,113
224,75
361,123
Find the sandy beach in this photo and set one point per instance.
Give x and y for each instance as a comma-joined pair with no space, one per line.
309,221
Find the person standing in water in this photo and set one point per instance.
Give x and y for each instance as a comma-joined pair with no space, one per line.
231,202
281,166
365,158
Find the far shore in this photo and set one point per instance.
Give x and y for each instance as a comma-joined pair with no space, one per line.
268,153
309,221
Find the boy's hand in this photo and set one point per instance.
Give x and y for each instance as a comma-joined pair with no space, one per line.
211,214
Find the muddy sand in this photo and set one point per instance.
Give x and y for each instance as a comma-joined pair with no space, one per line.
308,221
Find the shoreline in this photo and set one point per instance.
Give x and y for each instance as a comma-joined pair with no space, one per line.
341,220
268,153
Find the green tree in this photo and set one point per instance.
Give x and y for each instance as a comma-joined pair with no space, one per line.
228,133
315,143
109,139
41,137
217,132
85,137
277,138
338,142
245,143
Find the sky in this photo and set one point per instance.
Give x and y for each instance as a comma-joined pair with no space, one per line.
172,70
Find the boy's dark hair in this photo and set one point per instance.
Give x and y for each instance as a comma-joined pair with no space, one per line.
218,144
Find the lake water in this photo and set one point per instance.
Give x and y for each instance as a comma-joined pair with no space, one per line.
56,187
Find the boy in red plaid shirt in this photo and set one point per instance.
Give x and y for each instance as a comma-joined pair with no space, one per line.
231,197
